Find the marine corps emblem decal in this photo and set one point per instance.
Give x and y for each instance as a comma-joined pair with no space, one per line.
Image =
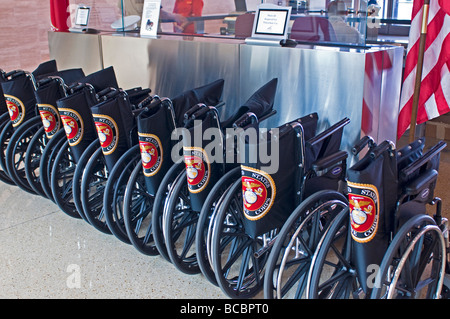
50,119
364,211
151,153
108,133
198,168
258,192
16,109
73,125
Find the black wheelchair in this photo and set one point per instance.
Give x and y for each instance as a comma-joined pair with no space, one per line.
114,119
250,214
49,89
203,170
384,244
19,89
155,169
60,157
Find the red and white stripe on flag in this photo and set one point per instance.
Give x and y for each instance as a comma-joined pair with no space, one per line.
434,97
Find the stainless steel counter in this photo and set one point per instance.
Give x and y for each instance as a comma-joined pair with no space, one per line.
363,85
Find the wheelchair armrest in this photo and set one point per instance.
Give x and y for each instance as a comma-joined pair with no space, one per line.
421,182
329,161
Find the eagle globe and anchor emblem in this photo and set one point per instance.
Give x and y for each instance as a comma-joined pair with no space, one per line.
197,168
151,153
107,131
363,206
16,109
50,119
258,192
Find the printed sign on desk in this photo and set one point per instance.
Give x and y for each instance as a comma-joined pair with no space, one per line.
150,18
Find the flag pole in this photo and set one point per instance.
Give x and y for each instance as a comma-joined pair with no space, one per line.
423,37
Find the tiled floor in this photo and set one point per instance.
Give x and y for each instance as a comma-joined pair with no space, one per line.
47,254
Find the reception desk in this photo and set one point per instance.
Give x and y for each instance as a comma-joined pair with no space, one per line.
361,84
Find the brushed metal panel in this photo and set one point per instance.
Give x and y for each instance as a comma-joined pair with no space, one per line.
171,66
328,82
76,50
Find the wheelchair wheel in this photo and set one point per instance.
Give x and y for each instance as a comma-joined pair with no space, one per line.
46,162
179,227
175,174
78,177
4,139
332,275
33,159
144,213
205,222
16,150
61,181
414,264
290,257
137,213
114,192
238,259
92,189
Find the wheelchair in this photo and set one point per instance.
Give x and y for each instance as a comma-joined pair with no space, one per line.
49,89
59,159
251,213
155,170
290,257
19,88
114,118
187,197
118,179
384,244
175,238
181,221
4,119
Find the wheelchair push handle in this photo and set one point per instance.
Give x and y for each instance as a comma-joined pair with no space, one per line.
246,119
73,88
193,109
381,148
108,93
201,112
13,74
366,140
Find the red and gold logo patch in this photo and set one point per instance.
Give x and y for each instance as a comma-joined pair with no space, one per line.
50,119
364,211
258,192
16,109
108,133
73,125
197,168
151,153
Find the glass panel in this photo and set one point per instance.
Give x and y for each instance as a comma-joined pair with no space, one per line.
323,21
102,14
338,21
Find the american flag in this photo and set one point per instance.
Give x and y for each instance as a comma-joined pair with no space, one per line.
434,99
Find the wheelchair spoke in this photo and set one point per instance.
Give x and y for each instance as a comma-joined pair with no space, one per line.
188,242
297,276
334,284
237,252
